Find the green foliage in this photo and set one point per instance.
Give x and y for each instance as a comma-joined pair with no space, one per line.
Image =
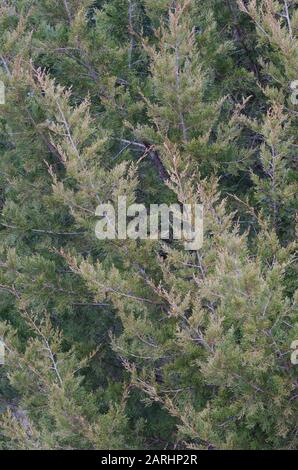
123,344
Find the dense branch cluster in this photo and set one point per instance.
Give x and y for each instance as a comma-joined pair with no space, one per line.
140,344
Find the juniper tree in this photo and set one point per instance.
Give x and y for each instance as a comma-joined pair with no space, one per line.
122,343
277,128
35,226
220,363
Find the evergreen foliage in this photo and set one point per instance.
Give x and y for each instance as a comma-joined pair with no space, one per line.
129,344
